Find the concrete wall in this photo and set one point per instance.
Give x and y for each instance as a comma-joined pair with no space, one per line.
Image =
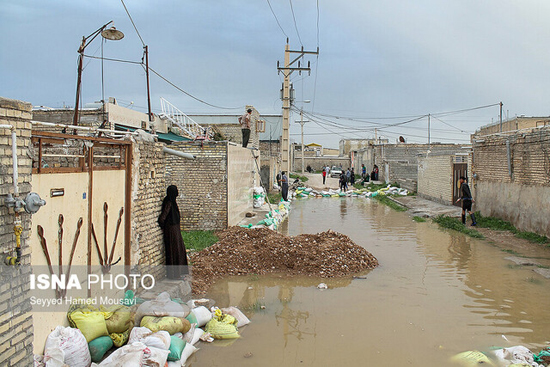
317,163
399,162
519,193
16,323
241,173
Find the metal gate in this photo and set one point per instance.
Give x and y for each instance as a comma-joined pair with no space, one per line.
459,170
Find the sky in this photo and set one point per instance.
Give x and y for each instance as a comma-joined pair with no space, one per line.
380,63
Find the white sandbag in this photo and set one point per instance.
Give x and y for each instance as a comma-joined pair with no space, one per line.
187,352
188,336
203,315
241,318
161,306
160,339
136,354
196,336
72,343
516,355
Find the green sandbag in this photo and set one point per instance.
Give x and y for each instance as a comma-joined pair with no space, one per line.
99,346
192,318
176,347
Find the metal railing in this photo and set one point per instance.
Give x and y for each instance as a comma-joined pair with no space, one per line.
188,127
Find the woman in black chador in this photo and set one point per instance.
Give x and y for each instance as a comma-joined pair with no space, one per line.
169,221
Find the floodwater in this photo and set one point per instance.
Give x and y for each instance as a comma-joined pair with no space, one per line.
435,294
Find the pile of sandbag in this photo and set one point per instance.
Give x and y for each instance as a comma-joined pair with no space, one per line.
259,197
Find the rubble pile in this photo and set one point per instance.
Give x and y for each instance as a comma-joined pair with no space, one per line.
242,251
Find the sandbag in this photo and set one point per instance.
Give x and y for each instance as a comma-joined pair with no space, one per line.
203,315
161,306
136,354
118,318
119,339
196,336
167,323
98,347
222,326
192,318
160,339
518,354
471,358
73,345
176,348
89,321
187,352
241,318
188,336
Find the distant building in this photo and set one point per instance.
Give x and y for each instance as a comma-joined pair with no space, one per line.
353,145
517,123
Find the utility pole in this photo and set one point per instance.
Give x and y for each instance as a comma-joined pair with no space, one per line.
287,70
146,51
302,122
429,121
500,116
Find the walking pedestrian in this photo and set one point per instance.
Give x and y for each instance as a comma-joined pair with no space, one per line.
244,120
169,221
324,173
348,176
466,197
284,186
352,177
374,173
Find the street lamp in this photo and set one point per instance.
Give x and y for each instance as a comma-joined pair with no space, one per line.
302,122
108,33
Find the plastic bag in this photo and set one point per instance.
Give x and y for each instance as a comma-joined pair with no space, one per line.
98,347
136,354
222,326
71,343
160,339
242,320
176,348
167,323
89,321
203,315
518,354
161,306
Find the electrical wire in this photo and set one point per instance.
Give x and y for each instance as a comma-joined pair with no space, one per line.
190,95
295,25
115,60
131,20
454,127
276,19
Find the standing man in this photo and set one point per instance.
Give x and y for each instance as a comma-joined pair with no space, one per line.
284,186
363,171
244,120
466,197
324,173
352,177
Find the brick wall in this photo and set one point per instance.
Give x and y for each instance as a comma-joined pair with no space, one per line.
435,178
16,325
202,184
148,191
233,133
519,193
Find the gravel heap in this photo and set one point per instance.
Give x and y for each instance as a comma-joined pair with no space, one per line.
242,251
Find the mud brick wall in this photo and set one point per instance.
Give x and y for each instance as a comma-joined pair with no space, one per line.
435,178
519,193
148,191
202,184
16,326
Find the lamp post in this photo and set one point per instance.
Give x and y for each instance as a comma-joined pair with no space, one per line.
302,122
110,34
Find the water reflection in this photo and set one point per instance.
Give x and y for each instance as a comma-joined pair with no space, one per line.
435,293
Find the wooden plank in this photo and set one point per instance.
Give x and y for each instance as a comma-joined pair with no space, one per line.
127,211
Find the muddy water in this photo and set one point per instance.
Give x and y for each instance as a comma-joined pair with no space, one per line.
435,294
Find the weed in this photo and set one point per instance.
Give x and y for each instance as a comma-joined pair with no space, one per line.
301,178
512,252
274,197
455,224
502,225
543,266
198,240
392,204
530,236
256,306
254,277
534,280
418,219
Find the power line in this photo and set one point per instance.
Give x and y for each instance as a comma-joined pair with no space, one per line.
190,95
454,127
116,60
295,25
131,20
276,19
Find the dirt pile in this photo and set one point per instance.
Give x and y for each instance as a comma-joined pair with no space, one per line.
242,251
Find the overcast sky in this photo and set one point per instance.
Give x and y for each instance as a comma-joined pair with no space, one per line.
392,58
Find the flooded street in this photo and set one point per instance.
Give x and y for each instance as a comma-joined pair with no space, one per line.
435,294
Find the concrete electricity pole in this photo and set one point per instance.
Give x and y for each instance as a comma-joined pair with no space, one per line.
287,71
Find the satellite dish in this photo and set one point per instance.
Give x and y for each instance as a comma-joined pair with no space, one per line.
112,34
